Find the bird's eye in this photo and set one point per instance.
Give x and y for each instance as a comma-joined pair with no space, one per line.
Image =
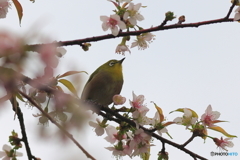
111,63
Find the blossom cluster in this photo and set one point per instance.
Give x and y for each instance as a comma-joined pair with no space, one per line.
127,140
126,16
208,120
132,141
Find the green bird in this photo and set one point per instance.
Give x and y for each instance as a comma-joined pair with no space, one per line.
105,82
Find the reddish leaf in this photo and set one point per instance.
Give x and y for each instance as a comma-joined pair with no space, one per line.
19,10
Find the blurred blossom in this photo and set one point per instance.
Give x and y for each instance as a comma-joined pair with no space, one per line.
133,14
41,97
9,43
113,22
223,143
210,117
48,55
8,153
121,1
4,5
61,51
119,100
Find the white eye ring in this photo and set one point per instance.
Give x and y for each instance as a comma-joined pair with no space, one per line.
111,63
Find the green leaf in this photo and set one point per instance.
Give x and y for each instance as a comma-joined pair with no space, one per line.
19,97
70,73
19,10
69,85
194,114
221,130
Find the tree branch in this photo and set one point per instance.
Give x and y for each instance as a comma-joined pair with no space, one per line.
58,125
18,111
132,33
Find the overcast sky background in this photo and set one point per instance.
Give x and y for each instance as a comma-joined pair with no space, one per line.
189,67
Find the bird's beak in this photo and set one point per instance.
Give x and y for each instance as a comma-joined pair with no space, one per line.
121,61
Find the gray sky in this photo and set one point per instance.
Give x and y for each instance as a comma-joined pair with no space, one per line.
190,67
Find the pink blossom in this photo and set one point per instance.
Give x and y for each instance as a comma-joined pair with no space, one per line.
113,135
48,55
140,142
139,137
9,44
4,5
119,100
137,103
210,117
222,143
113,22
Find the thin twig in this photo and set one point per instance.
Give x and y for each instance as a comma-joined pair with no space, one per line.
18,111
230,9
189,140
58,125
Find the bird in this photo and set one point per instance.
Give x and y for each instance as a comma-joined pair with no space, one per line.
105,82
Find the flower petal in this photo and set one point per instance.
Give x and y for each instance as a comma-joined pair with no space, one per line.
122,25
115,31
104,18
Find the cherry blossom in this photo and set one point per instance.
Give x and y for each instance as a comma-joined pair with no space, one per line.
120,150
112,22
143,40
155,121
187,118
99,128
223,143
48,55
119,100
113,135
122,48
4,5
137,103
7,153
140,142
210,117
133,14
